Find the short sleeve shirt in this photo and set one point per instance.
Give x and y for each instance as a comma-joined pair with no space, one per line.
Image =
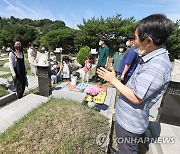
148,82
117,60
131,58
103,53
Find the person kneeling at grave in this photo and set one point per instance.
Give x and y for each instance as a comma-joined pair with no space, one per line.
64,71
54,70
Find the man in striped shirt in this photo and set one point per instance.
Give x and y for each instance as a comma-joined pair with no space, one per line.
147,84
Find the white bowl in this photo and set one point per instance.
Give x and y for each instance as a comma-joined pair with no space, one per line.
91,104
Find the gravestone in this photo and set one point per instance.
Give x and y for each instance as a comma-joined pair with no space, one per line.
43,71
169,111
58,53
94,55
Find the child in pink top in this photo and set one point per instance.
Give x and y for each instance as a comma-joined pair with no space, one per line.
86,69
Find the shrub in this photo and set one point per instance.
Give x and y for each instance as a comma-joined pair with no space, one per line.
83,54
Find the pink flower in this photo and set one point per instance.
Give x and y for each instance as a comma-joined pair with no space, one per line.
92,90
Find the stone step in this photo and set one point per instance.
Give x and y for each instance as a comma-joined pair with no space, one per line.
4,73
33,83
2,81
18,109
164,132
167,131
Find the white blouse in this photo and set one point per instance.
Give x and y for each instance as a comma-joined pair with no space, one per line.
13,61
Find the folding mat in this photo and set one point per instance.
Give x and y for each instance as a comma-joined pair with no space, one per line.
80,87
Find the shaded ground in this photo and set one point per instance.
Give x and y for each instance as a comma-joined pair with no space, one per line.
59,126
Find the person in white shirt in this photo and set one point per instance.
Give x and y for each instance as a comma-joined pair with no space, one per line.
64,71
32,54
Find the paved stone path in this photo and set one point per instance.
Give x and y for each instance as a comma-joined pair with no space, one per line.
16,110
4,58
2,81
32,80
3,73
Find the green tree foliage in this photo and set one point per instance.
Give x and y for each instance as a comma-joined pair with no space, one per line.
114,29
54,34
53,26
173,43
23,32
83,54
59,38
26,30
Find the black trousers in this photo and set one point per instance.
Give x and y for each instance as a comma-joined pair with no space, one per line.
20,87
96,75
122,137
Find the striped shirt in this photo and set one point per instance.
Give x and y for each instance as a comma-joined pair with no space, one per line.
148,82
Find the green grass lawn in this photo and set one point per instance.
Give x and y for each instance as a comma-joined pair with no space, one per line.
2,62
3,91
59,126
5,69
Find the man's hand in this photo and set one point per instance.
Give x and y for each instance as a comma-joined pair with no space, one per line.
106,75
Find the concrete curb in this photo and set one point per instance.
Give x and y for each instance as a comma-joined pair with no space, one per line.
7,98
11,97
17,110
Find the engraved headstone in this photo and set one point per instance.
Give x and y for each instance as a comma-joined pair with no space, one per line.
94,55
58,53
43,70
169,111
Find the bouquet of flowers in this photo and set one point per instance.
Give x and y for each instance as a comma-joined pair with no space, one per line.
92,90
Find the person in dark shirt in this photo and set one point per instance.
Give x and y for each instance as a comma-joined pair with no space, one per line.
117,58
129,61
103,57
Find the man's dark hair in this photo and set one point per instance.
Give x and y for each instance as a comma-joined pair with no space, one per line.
122,45
103,38
131,37
65,59
156,26
90,57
